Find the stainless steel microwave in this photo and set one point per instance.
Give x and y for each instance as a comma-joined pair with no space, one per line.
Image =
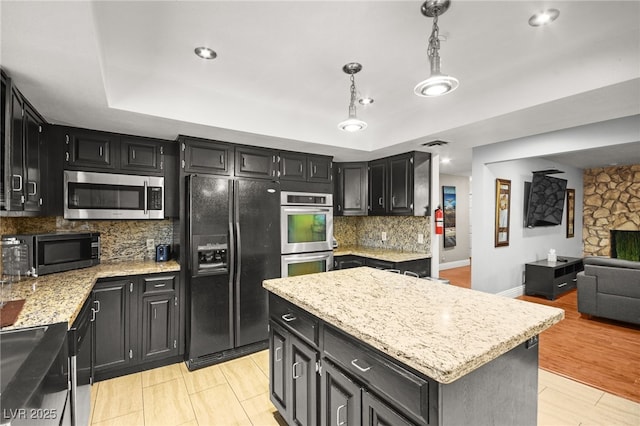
56,252
89,195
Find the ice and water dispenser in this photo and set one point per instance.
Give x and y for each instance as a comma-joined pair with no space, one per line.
209,254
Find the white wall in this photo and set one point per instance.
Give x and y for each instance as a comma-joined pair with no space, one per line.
462,249
500,269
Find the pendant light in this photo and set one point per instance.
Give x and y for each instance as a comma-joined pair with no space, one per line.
352,124
437,84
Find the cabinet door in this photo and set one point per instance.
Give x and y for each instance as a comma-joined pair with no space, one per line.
348,261
140,155
278,362
304,383
401,185
319,168
377,413
293,166
91,149
256,163
14,153
202,156
379,264
112,325
377,187
353,189
32,142
340,398
158,326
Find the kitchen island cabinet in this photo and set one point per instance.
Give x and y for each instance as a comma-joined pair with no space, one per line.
412,351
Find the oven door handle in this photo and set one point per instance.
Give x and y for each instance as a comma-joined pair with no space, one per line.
306,210
306,258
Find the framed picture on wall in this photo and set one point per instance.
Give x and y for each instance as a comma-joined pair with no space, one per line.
503,208
449,200
571,212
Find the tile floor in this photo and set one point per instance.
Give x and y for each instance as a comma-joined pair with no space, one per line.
236,393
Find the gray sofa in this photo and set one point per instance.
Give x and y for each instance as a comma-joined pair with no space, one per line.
610,288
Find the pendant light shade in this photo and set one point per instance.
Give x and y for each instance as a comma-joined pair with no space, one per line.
352,124
437,84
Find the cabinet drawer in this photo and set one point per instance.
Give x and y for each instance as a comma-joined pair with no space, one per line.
294,319
155,284
402,388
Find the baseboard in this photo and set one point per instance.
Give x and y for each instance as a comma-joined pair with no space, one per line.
455,264
512,292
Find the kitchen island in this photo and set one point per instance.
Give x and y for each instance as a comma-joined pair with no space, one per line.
402,350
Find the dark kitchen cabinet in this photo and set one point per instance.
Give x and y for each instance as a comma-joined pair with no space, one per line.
97,151
293,166
141,155
400,185
159,317
348,261
256,162
376,412
22,147
90,149
350,189
206,156
377,187
294,380
319,168
136,323
115,322
340,398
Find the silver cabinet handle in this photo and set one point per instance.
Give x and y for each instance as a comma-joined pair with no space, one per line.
338,422
159,285
93,315
275,354
97,303
289,317
13,180
295,375
364,370
66,156
300,167
133,154
155,316
393,200
380,201
562,285
221,159
339,207
411,274
315,170
35,187
100,151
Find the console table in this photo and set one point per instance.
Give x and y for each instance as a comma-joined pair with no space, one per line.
551,279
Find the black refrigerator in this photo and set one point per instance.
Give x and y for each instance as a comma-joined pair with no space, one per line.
233,234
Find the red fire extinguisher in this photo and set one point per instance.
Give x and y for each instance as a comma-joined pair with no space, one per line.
439,221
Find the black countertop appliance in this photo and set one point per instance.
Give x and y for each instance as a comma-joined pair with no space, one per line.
234,239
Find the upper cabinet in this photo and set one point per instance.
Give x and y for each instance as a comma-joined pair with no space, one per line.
400,185
350,189
256,162
205,156
22,146
319,168
295,166
94,150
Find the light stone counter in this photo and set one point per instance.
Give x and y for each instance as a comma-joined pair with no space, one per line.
442,331
59,297
380,254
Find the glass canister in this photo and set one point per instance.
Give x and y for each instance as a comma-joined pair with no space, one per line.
15,259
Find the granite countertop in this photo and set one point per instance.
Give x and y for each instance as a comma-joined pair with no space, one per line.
59,297
442,331
380,253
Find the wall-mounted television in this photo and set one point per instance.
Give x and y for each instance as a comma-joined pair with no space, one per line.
544,200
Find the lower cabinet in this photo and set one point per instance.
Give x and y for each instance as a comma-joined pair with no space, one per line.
419,267
294,380
337,387
136,322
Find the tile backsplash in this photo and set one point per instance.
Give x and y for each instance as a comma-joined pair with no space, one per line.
402,232
121,240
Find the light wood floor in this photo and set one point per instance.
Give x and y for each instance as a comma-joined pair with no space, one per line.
236,393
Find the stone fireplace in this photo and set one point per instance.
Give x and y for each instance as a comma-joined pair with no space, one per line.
611,203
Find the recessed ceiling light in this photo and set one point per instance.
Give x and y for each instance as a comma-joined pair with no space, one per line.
205,53
445,160
365,101
543,18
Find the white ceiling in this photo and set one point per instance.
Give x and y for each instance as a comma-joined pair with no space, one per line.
129,67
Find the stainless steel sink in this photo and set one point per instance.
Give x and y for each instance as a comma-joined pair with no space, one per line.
15,347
